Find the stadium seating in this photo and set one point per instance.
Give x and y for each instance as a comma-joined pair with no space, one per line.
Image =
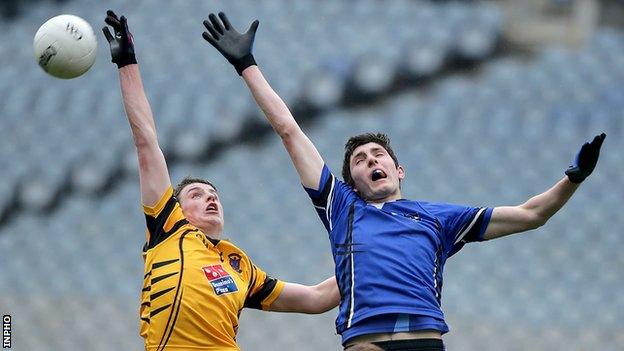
494,137
293,46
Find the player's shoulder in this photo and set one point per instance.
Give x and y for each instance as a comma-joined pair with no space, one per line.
167,202
330,183
235,256
229,247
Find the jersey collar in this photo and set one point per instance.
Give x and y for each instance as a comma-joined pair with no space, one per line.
379,205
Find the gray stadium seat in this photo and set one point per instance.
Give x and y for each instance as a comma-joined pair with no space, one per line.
490,139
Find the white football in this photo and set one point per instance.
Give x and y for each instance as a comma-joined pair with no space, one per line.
65,46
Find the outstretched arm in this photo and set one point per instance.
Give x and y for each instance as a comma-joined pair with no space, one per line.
308,299
302,151
537,210
236,48
532,214
153,173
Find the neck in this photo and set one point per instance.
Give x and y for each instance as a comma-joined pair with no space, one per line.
392,197
212,233
214,236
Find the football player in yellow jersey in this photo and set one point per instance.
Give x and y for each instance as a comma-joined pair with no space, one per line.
195,285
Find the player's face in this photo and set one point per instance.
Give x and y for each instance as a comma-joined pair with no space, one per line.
374,173
202,208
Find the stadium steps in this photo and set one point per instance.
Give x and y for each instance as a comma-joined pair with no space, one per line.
327,67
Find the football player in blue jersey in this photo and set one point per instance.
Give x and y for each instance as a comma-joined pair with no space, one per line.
389,252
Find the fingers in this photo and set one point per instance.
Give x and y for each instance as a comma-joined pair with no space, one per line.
112,21
253,28
212,31
598,139
596,143
225,21
209,39
215,23
107,34
124,26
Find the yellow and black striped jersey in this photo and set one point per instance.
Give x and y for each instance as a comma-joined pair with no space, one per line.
194,288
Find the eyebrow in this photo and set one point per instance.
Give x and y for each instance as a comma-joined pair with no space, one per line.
197,187
377,148
372,150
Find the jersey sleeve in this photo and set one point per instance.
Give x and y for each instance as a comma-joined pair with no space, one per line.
461,225
163,219
331,199
263,289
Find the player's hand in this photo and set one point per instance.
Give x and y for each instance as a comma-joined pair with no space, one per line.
236,47
121,45
585,160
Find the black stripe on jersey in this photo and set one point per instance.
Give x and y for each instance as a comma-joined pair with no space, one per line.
163,263
252,281
255,300
146,304
473,234
350,224
438,277
155,225
161,277
147,288
158,310
321,201
146,320
175,319
350,241
158,294
347,249
158,265
170,327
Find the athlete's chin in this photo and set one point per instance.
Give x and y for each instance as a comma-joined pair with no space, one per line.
211,222
380,195
214,220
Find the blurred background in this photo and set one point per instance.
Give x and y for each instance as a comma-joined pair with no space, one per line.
486,103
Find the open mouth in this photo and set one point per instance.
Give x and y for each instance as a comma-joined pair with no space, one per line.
378,174
212,208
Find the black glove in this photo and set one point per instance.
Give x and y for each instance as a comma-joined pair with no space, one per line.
585,160
236,47
121,45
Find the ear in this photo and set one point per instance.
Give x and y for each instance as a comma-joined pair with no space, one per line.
401,172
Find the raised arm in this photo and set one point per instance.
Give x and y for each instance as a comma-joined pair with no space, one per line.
308,299
537,210
153,173
237,49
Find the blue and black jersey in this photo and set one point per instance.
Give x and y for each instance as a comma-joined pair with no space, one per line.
390,257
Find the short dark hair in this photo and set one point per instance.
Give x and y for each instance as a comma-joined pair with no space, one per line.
355,141
189,180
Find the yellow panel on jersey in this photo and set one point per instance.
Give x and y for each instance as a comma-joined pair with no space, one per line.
194,288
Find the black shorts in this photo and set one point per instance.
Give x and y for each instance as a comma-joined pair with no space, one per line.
412,345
